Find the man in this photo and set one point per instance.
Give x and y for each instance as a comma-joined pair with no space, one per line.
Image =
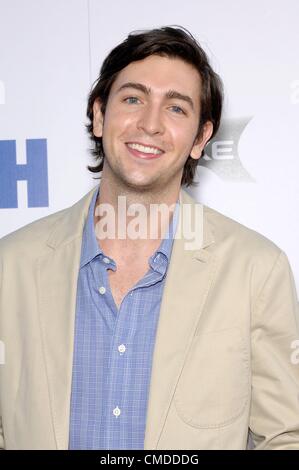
120,342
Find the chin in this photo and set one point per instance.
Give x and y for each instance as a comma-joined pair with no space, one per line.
140,184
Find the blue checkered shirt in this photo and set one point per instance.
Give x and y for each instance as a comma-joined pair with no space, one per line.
113,348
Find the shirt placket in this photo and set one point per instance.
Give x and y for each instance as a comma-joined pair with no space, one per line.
122,349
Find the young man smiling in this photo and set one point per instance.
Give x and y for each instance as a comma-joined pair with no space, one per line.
129,343
149,128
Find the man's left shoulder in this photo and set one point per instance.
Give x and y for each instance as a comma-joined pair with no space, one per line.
238,237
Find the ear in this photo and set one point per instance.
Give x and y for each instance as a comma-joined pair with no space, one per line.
98,118
201,141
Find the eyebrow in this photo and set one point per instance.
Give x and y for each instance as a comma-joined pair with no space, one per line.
171,94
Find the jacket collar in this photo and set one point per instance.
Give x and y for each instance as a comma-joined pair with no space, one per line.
71,223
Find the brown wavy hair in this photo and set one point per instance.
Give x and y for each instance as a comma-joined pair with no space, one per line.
168,41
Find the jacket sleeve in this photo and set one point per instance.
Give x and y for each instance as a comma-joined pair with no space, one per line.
274,416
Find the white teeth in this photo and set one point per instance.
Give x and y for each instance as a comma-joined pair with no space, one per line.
144,149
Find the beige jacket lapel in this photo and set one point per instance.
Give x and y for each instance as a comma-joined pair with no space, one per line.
187,285
57,286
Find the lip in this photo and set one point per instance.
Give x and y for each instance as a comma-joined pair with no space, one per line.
144,145
144,156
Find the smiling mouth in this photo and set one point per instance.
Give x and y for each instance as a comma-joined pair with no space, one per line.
144,151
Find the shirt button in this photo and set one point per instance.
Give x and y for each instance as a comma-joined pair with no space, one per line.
116,411
106,260
102,290
122,348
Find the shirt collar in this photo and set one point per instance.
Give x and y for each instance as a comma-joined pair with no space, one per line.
90,247
166,244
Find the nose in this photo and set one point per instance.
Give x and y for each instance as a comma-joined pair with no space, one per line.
150,120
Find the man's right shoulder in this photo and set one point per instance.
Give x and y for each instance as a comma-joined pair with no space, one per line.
34,239
32,236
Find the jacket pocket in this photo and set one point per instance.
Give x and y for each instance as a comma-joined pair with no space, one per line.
213,388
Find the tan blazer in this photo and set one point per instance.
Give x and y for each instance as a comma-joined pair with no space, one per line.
222,365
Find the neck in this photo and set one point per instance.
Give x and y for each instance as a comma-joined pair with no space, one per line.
141,217
110,192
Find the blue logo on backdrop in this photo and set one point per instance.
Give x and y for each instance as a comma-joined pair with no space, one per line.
35,172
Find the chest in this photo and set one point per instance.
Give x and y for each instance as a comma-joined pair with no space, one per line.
124,278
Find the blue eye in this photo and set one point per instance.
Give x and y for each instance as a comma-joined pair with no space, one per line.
178,110
131,100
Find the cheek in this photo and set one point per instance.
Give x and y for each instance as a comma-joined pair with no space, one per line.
118,123
183,137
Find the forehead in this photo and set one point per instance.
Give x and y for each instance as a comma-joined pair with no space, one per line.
161,74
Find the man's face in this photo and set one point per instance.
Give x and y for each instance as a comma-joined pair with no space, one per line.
150,124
